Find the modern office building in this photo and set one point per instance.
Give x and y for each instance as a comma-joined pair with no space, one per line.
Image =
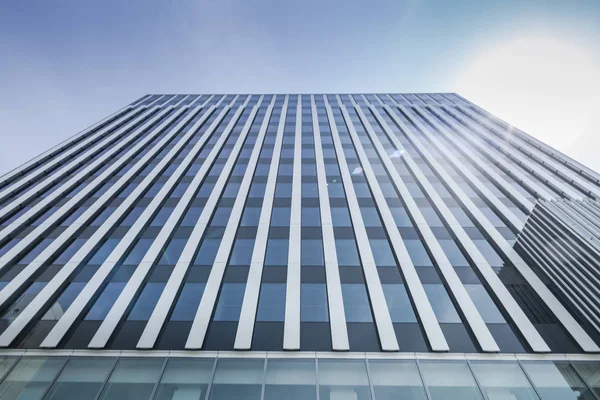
331,247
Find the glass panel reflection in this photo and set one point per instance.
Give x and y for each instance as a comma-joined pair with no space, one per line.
343,379
503,380
449,380
290,380
590,372
237,379
82,378
31,377
557,381
133,379
396,380
185,378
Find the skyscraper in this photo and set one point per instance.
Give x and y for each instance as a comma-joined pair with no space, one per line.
336,247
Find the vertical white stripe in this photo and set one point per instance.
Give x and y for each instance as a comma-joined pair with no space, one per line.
335,301
457,290
61,277
245,330
291,332
213,284
478,260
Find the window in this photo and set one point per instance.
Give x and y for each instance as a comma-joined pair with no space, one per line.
356,303
30,378
455,256
238,379
277,252
185,378
242,252
251,216
33,253
133,379
172,252
313,302
370,217
280,216
401,217
23,301
343,379
503,380
221,216
311,216
417,253
557,381
137,253
440,302
397,379
382,252
347,254
64,301
69,252
230,300
489,253
312,252
208,251
146,302
81,378
449,380
431,217
105,302
340,216
290,379
398,303
161,216
188,301
103,252
485,305
271,303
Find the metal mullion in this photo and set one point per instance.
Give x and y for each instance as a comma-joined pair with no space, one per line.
119,138
103,333
479,186
60,370
457,290
245,329
72,182
512,308
81,301
165,301
491,153
264,378
291,326
335,301
63,238
160,376
204,313
112,369
425,387
545,160
381,315
212,378
541,173
61,159
60,278
368,369
546,258
468,151
134,283
48,154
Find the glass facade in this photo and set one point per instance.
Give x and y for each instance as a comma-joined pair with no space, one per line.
351,222
301,378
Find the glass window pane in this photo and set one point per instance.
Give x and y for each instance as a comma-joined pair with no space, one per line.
242,252
441,303
171,253
277,252
106,300
64,301
382,252
185,378
312,252
82,378
396,380
311,216
138,251
313,302
340,216
455,256
484,303
290,379
188,301
229,305
343,379
237,379
356,303
30,378
208,251
144,305
347,254
590,372
280,216
132,379
271,303
417,253
557,381
398,303
503,380
449,380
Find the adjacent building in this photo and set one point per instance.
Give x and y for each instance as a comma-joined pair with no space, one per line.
314,246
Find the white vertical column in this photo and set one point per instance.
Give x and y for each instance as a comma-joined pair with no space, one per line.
291,331
213,284
245,330
335,301
457,290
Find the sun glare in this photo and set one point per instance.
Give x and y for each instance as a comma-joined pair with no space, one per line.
546,86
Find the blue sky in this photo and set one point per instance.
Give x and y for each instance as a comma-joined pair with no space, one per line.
67,64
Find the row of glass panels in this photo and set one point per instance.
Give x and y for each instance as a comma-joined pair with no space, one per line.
133,378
